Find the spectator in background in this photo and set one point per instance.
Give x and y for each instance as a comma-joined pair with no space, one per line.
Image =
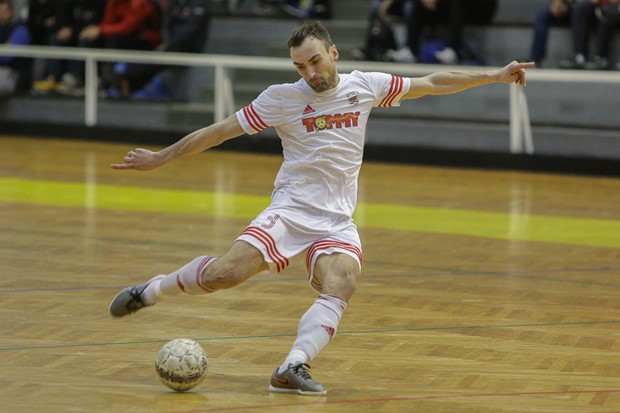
185,29
584,23
126,24
67,77
456,14
306,9
609,17
381,43
42,22
556,13
13,31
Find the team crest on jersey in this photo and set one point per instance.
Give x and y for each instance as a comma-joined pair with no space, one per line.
336,121
353,98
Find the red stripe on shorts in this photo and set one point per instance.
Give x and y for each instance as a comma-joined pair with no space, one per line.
272,250
326,244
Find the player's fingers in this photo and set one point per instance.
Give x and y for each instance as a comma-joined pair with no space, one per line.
519,79
522,77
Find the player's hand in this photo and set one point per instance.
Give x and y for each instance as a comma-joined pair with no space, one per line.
141,160
515,73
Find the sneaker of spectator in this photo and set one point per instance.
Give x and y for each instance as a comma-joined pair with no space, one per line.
578,62
45,87
402,55
598,63
447,56
455,15
153,91
359,54
70,86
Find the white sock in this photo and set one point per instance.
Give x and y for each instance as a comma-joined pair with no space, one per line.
316,328
187,279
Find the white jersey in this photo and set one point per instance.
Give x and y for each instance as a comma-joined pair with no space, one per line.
322,134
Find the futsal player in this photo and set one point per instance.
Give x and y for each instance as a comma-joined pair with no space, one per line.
321,120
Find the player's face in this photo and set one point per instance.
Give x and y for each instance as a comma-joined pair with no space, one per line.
316,64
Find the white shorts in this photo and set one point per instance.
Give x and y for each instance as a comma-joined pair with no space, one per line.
289,227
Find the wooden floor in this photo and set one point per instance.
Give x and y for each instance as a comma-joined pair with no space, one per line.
481,291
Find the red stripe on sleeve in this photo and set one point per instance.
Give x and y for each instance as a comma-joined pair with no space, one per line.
254,119
396,88
261,124
250,119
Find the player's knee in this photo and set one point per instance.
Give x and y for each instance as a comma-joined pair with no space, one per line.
349,283
339,278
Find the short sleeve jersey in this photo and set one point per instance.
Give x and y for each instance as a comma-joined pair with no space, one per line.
322,134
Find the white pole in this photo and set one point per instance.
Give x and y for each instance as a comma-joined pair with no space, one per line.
515,120
90,92
525,117
220,102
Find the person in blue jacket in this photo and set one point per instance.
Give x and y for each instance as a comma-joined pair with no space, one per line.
14,71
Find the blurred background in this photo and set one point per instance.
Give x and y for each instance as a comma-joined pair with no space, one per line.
573,109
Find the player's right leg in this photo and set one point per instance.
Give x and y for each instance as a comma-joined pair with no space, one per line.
201,276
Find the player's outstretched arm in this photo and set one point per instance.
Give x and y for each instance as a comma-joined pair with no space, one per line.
454,81
197,141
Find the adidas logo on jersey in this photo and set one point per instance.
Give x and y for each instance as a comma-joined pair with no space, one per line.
307,110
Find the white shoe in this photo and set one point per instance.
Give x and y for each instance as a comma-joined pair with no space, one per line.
447,56
403,55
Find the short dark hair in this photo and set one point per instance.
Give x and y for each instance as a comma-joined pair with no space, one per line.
310,29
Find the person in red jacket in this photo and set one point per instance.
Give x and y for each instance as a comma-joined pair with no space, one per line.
126,24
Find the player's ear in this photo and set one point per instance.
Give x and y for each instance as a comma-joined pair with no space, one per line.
334,52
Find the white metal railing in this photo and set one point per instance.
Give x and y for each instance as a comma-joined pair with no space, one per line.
520,128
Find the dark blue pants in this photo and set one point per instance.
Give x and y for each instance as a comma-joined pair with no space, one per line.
544,21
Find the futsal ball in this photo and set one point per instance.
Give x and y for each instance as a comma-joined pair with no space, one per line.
181,364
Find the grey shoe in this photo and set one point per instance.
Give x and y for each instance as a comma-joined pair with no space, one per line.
296,379
129,300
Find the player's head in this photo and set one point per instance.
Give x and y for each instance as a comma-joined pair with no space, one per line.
314,55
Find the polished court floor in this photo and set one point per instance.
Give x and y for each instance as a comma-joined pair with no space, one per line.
481,291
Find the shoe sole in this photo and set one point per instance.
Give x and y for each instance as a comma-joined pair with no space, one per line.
297,391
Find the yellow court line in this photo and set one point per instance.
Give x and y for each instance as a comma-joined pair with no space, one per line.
498,225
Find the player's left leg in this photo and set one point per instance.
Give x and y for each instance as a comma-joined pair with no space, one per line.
202,275
337,275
